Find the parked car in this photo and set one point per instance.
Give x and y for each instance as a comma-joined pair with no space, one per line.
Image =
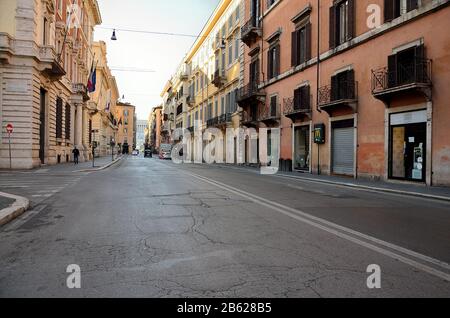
148,153
165,151
135,153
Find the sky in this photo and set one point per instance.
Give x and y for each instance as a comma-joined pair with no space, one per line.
159,53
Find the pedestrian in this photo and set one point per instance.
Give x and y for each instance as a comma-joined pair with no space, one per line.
76,155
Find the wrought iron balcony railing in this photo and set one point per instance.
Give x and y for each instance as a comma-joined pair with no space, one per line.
416,71
219,120
250,30
270,113
294,106
219,78
343,91
249,91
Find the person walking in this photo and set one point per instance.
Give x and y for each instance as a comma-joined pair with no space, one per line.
76,155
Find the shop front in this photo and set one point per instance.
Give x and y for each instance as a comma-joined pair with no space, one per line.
407,146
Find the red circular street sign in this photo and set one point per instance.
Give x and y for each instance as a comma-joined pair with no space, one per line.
9,128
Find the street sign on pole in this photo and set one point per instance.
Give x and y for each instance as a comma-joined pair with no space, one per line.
9,130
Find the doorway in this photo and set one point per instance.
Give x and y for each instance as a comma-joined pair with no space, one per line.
42,117
302,146
407,147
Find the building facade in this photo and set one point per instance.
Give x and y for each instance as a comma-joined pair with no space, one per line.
155,122
124,113
358,88
103,103
141,128
204,89
44,69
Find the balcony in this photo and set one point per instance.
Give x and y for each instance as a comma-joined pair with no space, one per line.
250,118
251,31
413,77
219,78
52,67
295,108
342,94
81,90
219,121
6,50
190,100
251,94
270,114
219,44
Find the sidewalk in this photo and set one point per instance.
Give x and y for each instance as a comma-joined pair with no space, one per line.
100,163
11,206
404,188
441,193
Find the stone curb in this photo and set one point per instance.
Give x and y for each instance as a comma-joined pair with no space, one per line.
101,168
16,209
378,189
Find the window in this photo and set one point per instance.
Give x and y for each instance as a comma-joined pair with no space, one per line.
395,8
273,106
68,121
236,48
230,53
45,32
90,130
59,117
222,103
342,22
302,99
237,14
254,71
228,104
216,107
273,61
301,45
343,85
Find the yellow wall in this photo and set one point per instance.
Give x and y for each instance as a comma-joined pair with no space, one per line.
8,17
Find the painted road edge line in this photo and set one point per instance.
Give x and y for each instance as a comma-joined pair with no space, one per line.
338,231
20,205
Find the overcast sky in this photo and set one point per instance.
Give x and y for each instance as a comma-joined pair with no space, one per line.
160,53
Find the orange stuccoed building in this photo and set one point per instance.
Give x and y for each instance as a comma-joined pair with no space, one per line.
358,88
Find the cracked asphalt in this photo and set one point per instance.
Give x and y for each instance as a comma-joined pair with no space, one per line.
147,228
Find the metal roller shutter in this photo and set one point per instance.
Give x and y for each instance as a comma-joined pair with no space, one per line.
343,149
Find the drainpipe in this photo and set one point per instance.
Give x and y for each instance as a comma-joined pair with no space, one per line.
318,79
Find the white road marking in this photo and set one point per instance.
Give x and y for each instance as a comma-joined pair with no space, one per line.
341,231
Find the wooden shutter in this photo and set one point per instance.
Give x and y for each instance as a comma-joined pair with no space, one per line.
306,97
351,19
308,35
334,88
392,70
350,89
68,122
277,60
420,64
269,64
389,10
332,27
297,98
294,52
412,5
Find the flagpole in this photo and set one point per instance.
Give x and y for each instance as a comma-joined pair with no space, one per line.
67,31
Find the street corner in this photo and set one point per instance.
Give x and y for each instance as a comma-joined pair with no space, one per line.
15,206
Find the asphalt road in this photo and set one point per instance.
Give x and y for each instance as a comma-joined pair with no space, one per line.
148,228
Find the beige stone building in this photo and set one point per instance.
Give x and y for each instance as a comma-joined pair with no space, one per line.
124,113
44,69
103,103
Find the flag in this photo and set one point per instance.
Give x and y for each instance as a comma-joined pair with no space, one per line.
92,81
108,101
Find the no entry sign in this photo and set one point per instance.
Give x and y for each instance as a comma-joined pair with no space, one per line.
9,128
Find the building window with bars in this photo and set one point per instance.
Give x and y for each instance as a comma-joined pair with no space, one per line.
59,118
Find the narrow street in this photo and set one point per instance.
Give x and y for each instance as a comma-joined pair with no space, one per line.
150,228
